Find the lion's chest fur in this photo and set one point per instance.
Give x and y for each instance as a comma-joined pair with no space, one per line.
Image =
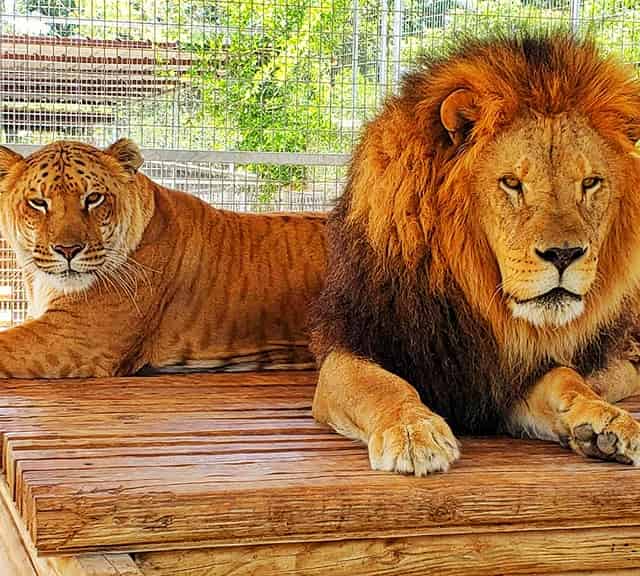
436,342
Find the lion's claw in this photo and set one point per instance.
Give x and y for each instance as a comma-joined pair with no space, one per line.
600,430
420,444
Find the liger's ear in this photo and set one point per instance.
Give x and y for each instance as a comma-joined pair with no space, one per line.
458,113
127,153
8,159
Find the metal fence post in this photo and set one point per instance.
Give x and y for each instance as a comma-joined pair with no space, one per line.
396,40
576,7
383,64
355,59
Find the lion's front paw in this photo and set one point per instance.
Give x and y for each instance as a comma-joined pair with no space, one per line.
420,443
601,430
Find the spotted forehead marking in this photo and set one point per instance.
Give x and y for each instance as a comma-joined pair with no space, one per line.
75,161
64,154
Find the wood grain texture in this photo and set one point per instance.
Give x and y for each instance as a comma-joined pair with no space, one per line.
95,565
630,572
218,460
14,558
537,552
18,556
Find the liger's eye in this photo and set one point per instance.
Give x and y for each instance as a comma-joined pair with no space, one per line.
39,204
511,184
94,199
592,183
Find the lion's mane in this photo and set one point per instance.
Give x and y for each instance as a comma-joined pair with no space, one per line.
412,280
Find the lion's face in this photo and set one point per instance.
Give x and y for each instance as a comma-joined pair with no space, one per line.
546,191
65,211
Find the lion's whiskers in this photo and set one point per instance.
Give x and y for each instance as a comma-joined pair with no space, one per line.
498,291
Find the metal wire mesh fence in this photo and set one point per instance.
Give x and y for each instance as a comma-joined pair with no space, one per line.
249,104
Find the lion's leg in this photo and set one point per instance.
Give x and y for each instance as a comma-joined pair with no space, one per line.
361,400
618,381
561,406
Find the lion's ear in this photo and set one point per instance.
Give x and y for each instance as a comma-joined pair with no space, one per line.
8,159
458,112
127,153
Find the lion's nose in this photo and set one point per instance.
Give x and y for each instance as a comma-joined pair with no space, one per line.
562,258
69,252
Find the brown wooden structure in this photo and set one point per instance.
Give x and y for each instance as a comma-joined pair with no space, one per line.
54,69
203,475
69,85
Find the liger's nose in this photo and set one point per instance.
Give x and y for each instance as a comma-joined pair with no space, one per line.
68,251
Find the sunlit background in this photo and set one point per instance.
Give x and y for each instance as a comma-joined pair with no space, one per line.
251,105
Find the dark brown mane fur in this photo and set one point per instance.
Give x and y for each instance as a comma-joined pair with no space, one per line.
411,278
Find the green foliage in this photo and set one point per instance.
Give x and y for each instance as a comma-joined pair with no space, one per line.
51,8
285,75
619,31
267,77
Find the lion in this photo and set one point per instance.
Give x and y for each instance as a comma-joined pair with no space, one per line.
484,259
124,276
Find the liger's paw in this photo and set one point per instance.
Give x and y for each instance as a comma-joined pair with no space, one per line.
600,430
420,443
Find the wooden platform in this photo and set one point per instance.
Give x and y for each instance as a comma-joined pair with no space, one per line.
228,474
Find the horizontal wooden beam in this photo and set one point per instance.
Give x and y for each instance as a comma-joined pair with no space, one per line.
43,119
543,552
160,61
34,41
18,556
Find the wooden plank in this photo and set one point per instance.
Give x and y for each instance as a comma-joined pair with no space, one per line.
18,556
120,385
17,539
469,496
96,565
630,572
124,516
220,460
14,559
536,552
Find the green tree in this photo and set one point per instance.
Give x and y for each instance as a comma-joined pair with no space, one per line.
267,74
286,76
55,8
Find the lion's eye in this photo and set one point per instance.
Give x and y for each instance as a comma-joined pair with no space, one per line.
93,200
592,183
39,204
511,184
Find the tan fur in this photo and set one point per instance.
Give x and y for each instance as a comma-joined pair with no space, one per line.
617,381
465,217
382,410
427,191
562,407
164,282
